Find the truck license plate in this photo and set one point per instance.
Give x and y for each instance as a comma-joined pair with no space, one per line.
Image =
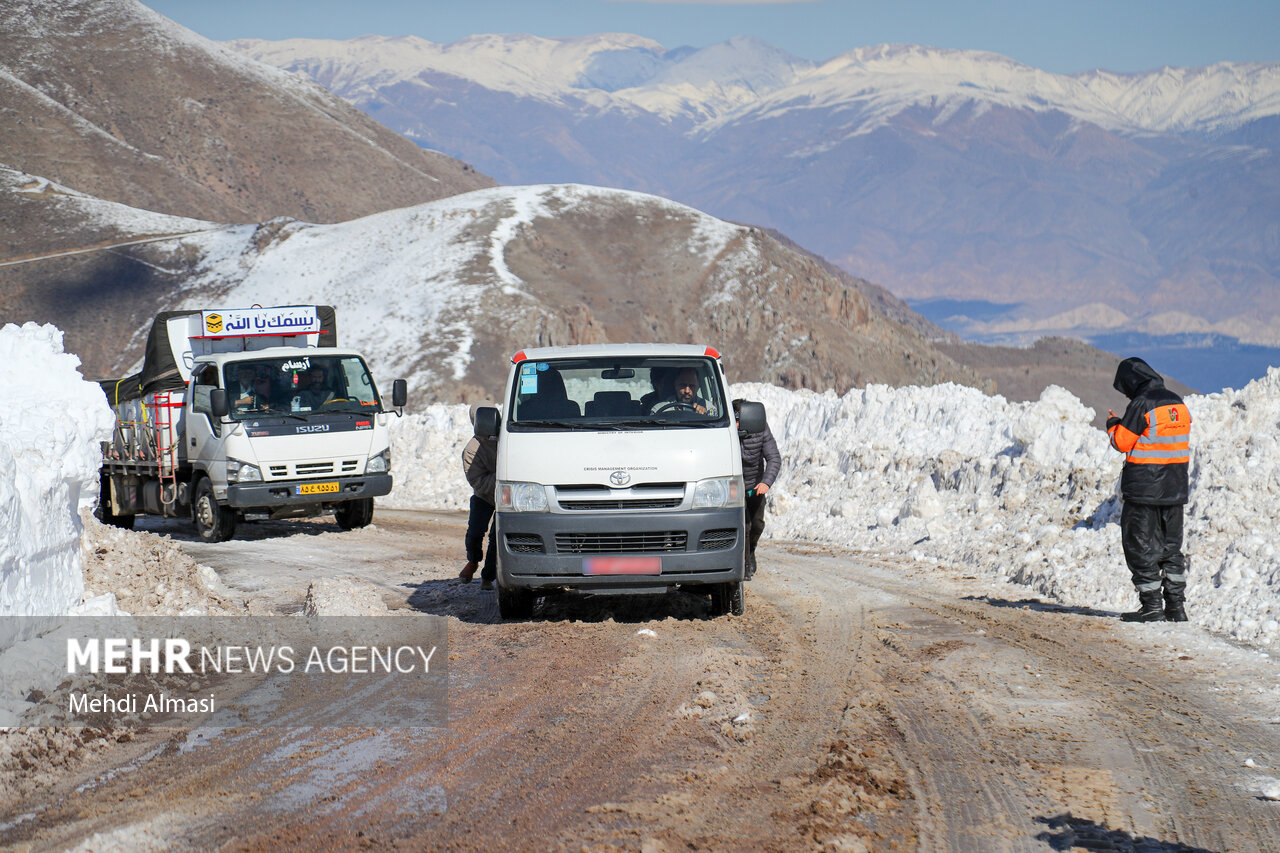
622,566
315,488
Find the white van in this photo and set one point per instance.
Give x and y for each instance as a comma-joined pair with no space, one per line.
619,470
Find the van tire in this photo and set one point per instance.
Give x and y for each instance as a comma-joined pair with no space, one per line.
353,514
515,603
214,523
104,513
727,598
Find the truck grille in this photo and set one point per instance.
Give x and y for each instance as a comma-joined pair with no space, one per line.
717,540
314,469
622,543
525,543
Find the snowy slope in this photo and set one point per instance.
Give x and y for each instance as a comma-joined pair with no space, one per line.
746,78
417,286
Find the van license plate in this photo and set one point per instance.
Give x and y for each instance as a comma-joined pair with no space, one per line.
315,488
622,566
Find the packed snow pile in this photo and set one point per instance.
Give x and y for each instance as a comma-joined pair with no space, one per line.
426,459
1024,492
51,421
142,573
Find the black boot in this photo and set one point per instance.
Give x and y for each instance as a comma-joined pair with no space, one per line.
1175,606
1151,608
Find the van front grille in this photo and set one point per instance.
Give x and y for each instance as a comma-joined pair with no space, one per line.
644,503
622,543
525,543
717,540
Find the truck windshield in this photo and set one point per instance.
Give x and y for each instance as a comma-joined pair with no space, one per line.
299,385
608,392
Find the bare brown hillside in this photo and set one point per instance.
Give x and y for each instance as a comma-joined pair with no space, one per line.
112,99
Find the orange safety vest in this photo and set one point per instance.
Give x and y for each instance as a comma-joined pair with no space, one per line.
1165,441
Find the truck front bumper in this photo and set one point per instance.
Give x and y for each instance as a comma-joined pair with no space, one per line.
286,492
598,551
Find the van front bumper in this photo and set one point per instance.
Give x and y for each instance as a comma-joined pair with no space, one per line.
599,550
285,492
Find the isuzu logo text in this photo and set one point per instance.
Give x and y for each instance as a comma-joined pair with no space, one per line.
314,428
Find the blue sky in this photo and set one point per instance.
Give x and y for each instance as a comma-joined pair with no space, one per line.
1060,36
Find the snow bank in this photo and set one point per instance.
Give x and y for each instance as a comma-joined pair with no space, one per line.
1024,492
51,421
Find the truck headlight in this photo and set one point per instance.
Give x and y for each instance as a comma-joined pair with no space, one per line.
379,464
717,492
243,472
522,497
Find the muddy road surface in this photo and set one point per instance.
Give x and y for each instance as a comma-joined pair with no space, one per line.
864,702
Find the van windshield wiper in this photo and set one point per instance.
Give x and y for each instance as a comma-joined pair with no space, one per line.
560,424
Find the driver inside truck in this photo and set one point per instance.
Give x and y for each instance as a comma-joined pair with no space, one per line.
316,392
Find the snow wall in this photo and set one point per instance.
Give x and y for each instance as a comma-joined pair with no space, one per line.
1024,492
51,421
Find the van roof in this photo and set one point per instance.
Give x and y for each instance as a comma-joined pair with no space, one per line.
583,350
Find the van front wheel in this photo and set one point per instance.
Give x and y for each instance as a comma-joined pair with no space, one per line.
515,603
728,598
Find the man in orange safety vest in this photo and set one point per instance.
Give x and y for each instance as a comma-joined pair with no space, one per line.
1155,436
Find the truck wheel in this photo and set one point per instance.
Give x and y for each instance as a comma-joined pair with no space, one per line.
727,598
214,523
353,514
105,515
515,603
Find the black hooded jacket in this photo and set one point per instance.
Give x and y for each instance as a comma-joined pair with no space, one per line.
1159,485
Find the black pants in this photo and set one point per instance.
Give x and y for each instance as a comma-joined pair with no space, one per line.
1152,539
481,517
755,521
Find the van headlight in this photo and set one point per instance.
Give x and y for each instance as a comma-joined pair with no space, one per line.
379,464
243,472
717,492
522,497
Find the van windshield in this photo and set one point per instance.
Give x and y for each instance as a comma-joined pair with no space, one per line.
608,392
299,385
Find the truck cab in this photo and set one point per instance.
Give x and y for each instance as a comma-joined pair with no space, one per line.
247,414
619,469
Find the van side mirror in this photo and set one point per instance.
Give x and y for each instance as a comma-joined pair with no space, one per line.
487,420
751,419
399,393
218,404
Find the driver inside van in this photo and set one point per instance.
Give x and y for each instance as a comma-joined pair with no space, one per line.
685,393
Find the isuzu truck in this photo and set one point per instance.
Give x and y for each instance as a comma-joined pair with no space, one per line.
247,413
619,470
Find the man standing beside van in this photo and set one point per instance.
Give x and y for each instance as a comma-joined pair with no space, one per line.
480,465
1155,436
761,463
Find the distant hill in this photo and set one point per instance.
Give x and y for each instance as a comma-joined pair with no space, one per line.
114,100
444,292
1150,199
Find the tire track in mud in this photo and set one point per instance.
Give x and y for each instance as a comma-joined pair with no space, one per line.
1168,757
859,704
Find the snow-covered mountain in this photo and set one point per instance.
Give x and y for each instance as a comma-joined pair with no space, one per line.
936,173
747,78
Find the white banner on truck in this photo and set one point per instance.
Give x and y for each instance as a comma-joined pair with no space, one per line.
235,322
